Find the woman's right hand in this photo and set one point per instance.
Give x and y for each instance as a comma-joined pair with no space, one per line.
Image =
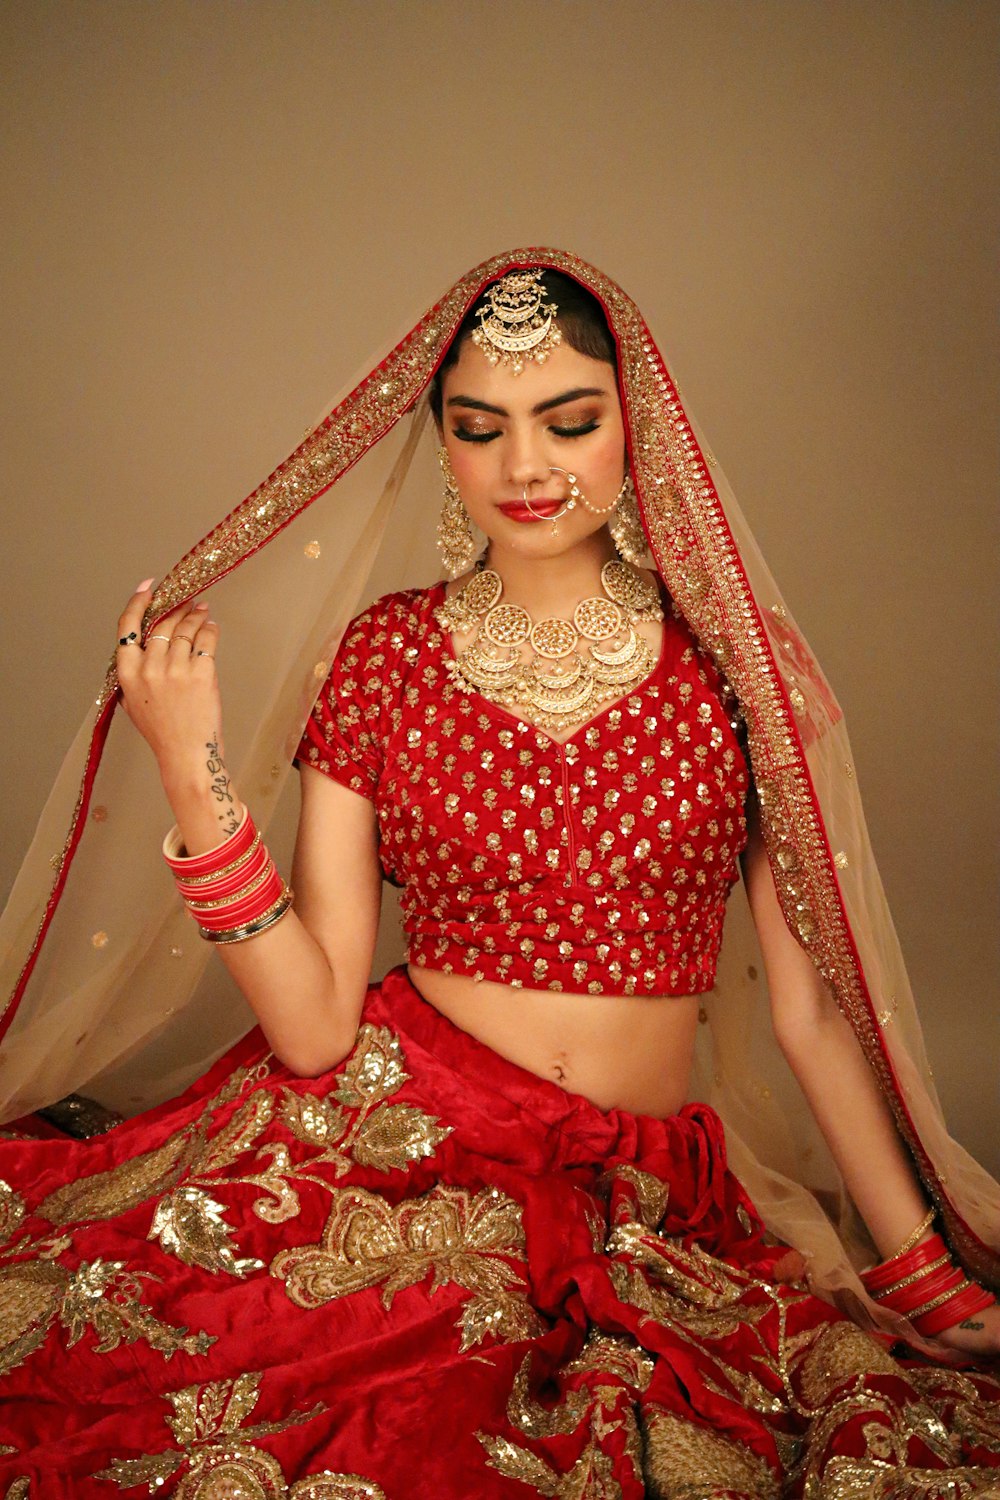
170,691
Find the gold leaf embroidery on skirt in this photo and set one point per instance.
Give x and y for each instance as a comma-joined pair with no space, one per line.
30,1295
189,1224
12,1211
648,1194
458,1237
100,1296
105,1195
685,1461
591,1476
105,1297
221,1455
839,1352
374,1069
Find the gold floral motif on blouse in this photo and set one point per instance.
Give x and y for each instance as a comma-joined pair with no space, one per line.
219,1456
469,1240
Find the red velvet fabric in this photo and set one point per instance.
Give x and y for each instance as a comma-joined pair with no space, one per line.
601,865
430,1274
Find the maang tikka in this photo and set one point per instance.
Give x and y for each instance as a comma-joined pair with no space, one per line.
455,540
518,320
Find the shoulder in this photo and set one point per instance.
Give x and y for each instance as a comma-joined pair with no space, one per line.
394,620
382,643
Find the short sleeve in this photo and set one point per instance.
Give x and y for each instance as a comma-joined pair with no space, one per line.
342,737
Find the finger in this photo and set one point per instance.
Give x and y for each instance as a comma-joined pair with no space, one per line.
130,619
184,633
206,644
161,637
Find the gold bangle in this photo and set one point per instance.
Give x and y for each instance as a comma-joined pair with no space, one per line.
247,890
229,869
240,934
918,1312
897,1286
912,1239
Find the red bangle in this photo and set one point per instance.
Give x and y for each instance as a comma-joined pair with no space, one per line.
213,861
229,886
949,1278
966,1301
238,913
877,1278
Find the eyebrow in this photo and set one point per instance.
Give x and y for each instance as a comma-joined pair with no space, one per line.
536,411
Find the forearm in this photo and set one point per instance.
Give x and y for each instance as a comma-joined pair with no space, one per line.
833,1072
307,1011
304,975
204,801
857,1124
308,1007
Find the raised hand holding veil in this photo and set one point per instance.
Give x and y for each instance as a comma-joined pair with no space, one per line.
101,966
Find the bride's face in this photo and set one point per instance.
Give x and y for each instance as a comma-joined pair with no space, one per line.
508,436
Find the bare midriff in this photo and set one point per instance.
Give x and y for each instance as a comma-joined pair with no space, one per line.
620,1051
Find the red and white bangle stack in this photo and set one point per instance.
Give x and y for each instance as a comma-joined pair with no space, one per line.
923,1284
233,892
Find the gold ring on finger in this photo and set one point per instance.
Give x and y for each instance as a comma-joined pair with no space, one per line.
157,638
178,637
128,640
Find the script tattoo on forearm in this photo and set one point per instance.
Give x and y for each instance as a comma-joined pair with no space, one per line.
973,1325
220,787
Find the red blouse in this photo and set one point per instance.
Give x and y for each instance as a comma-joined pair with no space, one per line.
600,866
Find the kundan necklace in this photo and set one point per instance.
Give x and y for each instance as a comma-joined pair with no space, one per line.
561,683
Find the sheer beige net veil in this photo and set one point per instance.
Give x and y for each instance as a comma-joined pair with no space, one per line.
109,986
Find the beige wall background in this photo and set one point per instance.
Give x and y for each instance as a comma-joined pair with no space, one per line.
212,212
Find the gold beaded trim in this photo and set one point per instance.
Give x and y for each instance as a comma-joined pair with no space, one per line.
921,1229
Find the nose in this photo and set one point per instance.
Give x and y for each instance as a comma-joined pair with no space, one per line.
526,460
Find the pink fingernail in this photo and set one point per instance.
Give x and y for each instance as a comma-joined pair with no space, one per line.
201,606
143,586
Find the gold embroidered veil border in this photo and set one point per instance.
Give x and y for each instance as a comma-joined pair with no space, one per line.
119,1001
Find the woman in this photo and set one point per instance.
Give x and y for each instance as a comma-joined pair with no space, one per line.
460,1234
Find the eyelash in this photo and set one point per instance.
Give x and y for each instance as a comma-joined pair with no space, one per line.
563,432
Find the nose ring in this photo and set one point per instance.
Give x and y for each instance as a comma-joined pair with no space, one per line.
569,503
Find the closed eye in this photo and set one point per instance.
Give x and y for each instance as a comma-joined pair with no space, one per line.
577,429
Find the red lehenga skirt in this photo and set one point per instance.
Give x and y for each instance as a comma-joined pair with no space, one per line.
431,1274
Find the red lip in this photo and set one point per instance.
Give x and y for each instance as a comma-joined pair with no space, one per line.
541,510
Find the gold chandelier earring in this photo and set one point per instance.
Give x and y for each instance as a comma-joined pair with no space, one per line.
455,540
626,526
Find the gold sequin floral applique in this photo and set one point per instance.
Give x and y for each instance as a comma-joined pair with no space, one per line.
100,1296
599,1391
460,1238
354,1125
220,1457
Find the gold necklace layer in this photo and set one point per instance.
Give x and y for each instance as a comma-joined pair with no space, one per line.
559,683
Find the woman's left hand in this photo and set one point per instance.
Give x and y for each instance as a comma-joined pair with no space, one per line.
978,1336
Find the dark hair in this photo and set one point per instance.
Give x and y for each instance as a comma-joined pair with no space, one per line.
580,317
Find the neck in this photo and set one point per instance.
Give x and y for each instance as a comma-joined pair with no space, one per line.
553,585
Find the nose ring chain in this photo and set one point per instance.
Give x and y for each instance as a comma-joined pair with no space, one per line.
575,496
